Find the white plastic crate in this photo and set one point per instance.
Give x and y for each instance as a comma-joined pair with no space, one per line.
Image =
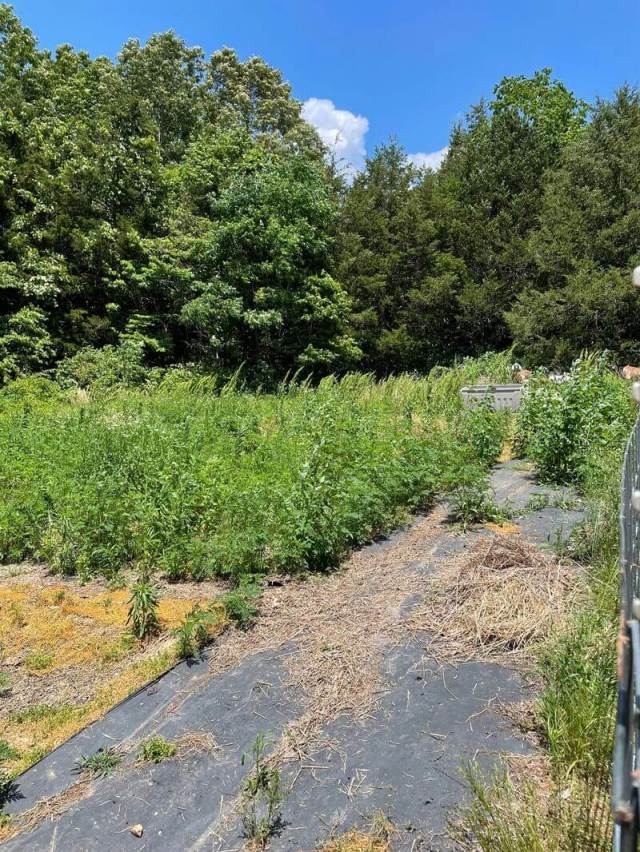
501,397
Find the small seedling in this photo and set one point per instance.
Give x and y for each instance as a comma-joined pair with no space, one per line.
156,749
101,764
37,661
262,796
143,609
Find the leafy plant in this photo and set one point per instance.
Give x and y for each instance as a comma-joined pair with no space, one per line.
156,749
38,660
262,796
101,764
471,501
239,603
193,633
143,609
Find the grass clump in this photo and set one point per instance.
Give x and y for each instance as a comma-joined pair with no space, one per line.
524,815
156,749
102,764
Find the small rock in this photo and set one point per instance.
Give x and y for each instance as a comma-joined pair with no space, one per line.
137,830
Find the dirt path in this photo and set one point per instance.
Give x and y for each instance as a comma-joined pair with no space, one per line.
360,716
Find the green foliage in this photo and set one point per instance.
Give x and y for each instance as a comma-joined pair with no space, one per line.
169,200
156,749
103,369
471,501
262,796
101,764
198,483
192,635
485,433
179,203
239,603
6,751
587,240
143,609
561,424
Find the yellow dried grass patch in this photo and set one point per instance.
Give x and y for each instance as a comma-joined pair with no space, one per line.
61,645
377,839
54,627
505,528
38,730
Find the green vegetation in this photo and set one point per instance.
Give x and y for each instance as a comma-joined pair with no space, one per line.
471,501
101,764
170,208
589,416
239,603
156,749
143,609
198,484
262,796
193,633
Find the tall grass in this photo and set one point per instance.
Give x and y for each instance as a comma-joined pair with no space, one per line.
575,432
197,481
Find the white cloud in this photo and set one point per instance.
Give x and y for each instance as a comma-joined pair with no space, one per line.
344,134
429,161
340,130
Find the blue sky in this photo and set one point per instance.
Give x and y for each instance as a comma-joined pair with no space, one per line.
375,69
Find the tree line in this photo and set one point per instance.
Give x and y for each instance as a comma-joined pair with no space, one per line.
174,208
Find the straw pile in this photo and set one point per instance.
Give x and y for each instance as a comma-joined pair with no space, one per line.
501,597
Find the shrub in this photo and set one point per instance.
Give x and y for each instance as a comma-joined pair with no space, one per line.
239,603
471,500
193,633
103,369
561,424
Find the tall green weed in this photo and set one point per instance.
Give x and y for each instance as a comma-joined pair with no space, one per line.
198,481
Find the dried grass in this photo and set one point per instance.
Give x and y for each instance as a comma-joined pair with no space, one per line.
495,601
51,808
340,626
196,742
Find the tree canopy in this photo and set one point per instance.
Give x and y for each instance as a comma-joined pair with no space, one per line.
170,207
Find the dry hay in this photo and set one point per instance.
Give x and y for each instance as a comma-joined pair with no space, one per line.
333,630
376,839
195,742
52,808
495,601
